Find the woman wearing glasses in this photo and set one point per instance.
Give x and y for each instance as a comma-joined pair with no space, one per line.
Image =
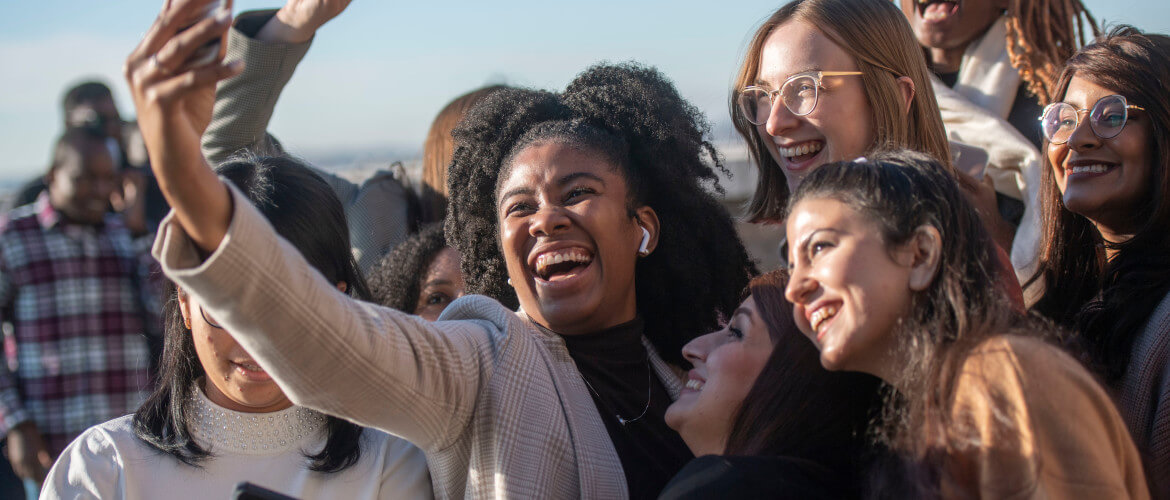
1105,262
217,418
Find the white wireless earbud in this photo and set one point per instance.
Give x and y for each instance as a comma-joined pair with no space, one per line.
643,250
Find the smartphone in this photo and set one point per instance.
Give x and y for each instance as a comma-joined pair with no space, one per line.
969,159
210,50
249,491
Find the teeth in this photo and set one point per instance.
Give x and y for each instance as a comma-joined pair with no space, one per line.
552,258
802,149
695,385
1089,169
818,318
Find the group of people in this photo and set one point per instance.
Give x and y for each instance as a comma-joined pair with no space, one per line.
971,199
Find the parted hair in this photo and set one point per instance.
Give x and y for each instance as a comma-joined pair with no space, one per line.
876,34
632,116
303,209
963,306
1107,302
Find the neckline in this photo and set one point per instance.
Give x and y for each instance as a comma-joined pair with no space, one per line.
219,429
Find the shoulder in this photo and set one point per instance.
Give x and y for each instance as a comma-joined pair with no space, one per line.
1013,368
95,459
20,218
403,466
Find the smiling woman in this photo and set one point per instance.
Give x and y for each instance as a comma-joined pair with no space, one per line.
1105,262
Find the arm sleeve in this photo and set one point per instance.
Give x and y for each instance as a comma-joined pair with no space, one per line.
90,467
1030,422
12,412
373,365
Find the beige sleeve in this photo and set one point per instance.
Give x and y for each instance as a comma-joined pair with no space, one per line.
376,366
1030,422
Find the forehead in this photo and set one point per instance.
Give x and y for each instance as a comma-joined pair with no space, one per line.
1083,93
812,214
549,164
444,264
797,46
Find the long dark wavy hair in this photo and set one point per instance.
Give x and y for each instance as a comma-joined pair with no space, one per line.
796,408
304,210
1104,301
633,117
963,306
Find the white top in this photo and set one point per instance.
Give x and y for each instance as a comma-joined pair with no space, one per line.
268,449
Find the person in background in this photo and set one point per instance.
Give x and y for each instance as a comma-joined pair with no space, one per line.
1105,266
421,276
438,149
74,283
763,417
893,275
995,64
217,418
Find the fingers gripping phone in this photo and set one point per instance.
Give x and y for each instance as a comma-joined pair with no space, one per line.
210,50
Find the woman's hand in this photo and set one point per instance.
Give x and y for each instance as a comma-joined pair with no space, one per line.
174,99
299,20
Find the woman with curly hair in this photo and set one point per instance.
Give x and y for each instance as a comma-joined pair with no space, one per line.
893,275
1105,261
420,276
590,202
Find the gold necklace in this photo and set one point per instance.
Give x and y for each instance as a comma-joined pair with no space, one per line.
649,385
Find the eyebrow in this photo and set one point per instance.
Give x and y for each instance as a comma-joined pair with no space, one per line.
564,180
761,83
436,282
803,243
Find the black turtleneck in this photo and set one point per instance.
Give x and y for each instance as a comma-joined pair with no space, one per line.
616,365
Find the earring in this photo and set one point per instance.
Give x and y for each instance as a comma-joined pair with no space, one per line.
642,250
510,282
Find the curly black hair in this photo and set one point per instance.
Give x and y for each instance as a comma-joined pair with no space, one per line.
394,281
634,116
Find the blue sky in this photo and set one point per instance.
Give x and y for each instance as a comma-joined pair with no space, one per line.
377,75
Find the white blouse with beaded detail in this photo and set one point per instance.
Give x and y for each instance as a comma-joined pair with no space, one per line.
268,449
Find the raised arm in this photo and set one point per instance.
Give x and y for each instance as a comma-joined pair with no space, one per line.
327,351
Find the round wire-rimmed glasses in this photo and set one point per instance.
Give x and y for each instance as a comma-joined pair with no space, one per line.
799,93
1107,118
208,320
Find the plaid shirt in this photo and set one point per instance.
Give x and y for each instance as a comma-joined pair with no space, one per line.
73,296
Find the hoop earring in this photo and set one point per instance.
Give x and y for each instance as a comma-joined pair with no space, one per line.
643,250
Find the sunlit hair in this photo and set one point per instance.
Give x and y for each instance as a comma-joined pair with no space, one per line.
881,42
303,210
796,408
1108,302
898,192
634,119
1041,35
438,149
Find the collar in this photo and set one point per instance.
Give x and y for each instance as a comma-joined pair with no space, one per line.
48,216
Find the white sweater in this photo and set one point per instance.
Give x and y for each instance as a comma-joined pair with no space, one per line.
109,462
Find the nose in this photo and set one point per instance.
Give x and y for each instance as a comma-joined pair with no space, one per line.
696,351
547,221
1082,136
780,119
800,286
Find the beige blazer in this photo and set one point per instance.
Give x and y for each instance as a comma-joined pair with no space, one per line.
498,407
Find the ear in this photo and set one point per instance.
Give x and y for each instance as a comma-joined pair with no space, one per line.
647,218
906,88
184,307
342,286
925,249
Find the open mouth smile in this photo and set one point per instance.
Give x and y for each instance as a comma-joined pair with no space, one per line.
800,153
820,317
561,264
937,10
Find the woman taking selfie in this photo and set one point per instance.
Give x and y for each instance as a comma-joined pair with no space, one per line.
892,275
1105,266
586,208
764,418
217,418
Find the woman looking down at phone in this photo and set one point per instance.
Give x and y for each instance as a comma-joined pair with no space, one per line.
893,275
1105,266
590,202
217,418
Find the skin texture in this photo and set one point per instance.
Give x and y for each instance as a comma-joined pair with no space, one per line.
947,38
1110,199
441,283
727,362
839,259
234,380
80,187
839,121
556,197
